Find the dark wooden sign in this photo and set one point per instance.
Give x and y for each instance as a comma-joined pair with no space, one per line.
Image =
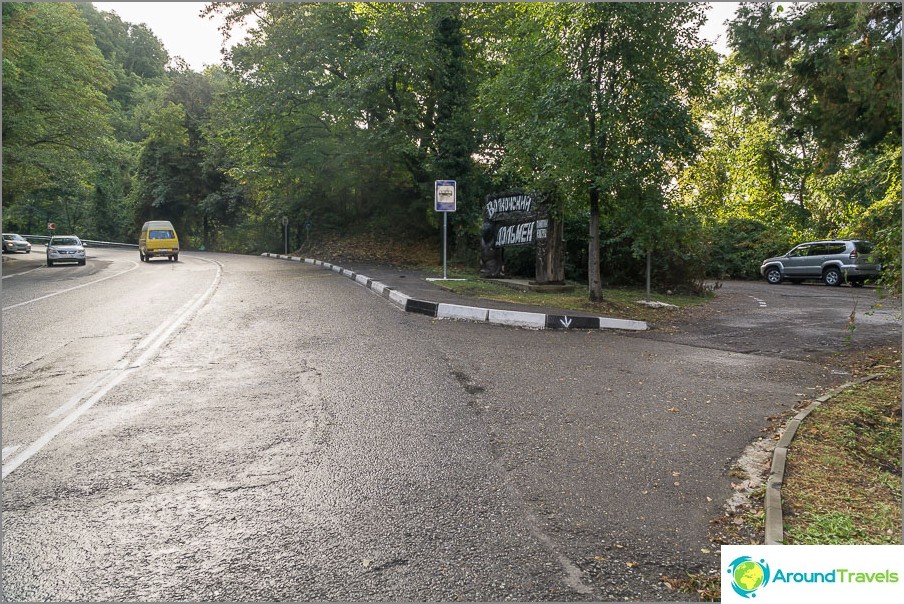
515,219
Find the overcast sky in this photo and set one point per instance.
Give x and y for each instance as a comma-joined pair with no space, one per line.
186,34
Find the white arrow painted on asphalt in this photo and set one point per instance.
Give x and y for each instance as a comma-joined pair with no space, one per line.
566,322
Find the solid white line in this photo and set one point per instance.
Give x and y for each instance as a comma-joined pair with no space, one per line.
23,272
151,337
113,378
45,438
72,288
180,319
75,400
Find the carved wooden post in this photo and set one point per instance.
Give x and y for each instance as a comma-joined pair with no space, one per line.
550,265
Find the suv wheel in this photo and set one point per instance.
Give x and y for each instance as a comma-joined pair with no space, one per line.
773,275
832,276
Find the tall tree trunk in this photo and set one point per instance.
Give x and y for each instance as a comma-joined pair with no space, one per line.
593,256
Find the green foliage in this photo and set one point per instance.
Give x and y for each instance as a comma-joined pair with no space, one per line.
804,133
881,221
182,176
341,115
595,98
832,70
55,115
737,247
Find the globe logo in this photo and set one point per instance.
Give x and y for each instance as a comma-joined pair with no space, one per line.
748,575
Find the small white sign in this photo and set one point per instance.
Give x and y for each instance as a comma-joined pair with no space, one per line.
445,198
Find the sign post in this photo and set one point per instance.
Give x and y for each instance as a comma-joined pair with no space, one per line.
444,201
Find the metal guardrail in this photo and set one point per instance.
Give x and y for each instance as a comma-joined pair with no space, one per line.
88,242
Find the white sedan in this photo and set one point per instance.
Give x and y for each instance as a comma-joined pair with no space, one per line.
65,248
15,243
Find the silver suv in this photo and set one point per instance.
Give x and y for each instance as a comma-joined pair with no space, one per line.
831,261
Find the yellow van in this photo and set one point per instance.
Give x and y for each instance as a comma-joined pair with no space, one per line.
158,238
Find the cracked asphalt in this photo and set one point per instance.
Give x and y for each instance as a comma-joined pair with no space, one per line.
295,437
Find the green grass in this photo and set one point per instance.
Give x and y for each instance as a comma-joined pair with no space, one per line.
842,482
617,302
843,479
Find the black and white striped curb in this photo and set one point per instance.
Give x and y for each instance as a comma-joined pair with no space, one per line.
439,310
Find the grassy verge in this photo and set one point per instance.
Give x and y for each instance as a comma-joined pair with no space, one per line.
618,302
843,478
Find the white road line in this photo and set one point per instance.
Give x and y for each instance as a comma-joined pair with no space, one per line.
45,438
135,265
86,391
10,449
111,378
761,303
181,318
23,272
151,337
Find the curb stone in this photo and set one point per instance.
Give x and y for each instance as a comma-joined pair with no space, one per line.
775,529
512,318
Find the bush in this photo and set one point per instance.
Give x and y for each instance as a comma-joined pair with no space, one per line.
737,248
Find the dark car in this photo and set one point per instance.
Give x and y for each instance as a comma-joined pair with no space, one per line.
833,262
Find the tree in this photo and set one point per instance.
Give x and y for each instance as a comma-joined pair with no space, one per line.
596,97
828,76
747,169
831,71
345,113
55,113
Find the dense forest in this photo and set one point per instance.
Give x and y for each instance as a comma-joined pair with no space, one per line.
341,116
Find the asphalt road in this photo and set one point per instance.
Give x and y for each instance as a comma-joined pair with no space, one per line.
240,428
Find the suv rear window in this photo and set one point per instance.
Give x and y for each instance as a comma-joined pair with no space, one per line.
863,247
161,234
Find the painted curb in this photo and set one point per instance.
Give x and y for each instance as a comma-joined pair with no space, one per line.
517,318
510,318
461,313
775,523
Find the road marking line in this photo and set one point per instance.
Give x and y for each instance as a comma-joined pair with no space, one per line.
9,449
84,392
5,308
761,303
181,319
45,438
23,272
149,339
111,378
